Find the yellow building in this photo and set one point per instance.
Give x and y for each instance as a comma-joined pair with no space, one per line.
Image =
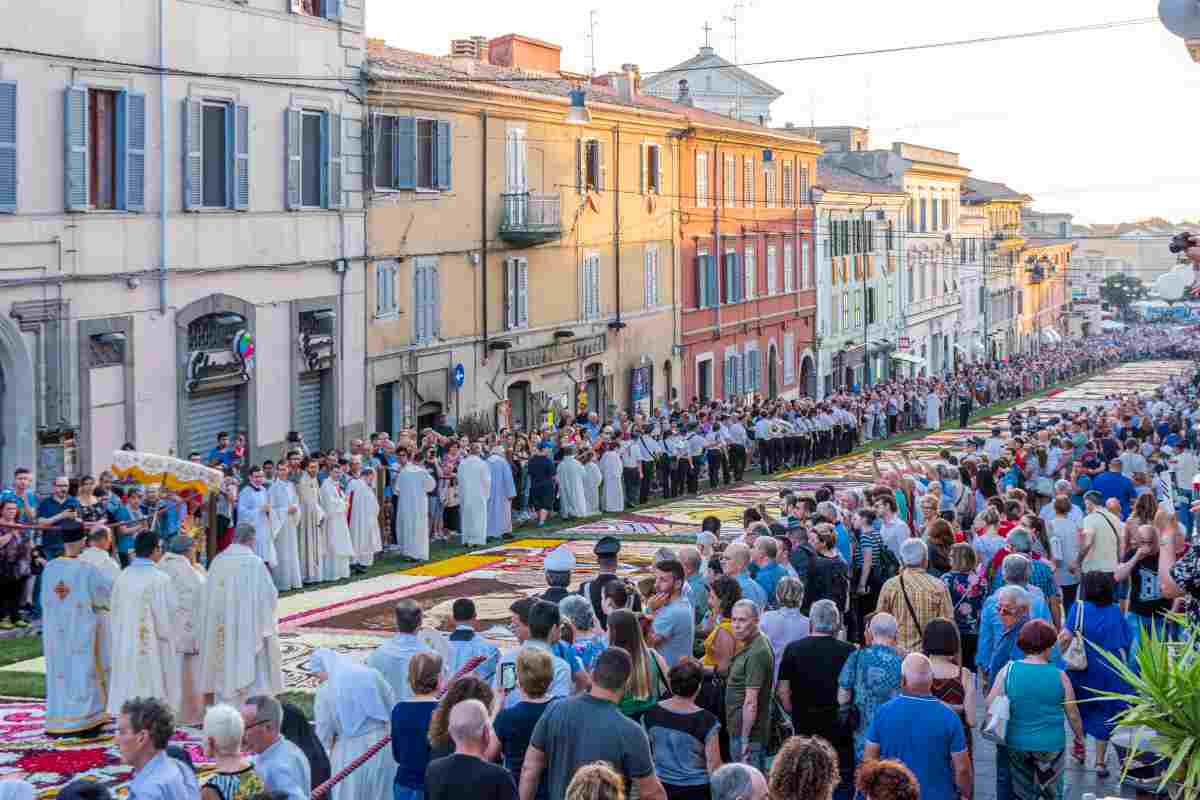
523,267
1043,303
1001,279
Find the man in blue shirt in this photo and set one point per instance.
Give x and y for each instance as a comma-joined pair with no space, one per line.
938,756
1113,484
52,513
22,492
222,452
766,550
129,512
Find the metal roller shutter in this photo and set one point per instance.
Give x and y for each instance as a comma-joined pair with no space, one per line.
209,414
308,410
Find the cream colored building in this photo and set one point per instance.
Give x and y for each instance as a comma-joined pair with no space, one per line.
179,254
524,267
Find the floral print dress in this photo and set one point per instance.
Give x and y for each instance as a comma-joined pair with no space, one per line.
873,674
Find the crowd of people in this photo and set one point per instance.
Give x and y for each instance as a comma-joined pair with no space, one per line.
794,660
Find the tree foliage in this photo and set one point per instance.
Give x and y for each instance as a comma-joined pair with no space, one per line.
1121,291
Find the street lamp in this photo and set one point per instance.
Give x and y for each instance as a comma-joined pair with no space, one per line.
1182,18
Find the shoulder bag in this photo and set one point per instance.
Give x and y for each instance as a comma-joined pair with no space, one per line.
995,722
850,715
1075,659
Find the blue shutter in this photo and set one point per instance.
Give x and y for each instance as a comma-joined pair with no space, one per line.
193,157
335,161
435,302
714,282
294,152
241,157
333,9
406,153
324,150
75,127
730,292
131,151
738,379
445,161
701,275
727,378
8,147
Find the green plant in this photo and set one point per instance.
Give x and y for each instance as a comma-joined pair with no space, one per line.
1164,700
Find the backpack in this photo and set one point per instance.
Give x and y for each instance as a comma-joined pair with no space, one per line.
888,565
839,583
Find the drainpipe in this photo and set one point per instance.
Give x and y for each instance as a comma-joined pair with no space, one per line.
617,217
483,232
716,253
162,157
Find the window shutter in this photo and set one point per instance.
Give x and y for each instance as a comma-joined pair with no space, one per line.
334,199
445,147
659,161
510,293
595,287
579,166
241,158
730,293
406,153
333,9
8,147
643,183
727,378
714,282
131,151
435,301
646,267
738,377
76,133
601,168
293,155
701,278
522,293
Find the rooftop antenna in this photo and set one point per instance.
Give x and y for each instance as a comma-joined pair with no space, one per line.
867,101
737,108
812,113
707,30
592,37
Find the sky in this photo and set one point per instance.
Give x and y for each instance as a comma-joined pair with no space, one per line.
1100,124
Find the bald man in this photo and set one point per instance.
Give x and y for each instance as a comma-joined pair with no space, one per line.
938,757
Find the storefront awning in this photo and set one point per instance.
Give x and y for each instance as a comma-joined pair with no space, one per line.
909,358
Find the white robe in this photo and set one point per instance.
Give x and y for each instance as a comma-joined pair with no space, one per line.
501,497
614,492
364,522
188,581
145,633
412,487
374,778
311,529
339,550
252,507
287,535
592,478
236,628
572,500
111,570
933,411
474,489
72,592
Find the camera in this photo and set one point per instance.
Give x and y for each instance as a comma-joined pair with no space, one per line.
1182,241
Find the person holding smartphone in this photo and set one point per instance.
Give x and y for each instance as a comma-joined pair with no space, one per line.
533,671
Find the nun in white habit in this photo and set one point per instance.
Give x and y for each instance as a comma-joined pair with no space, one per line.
352,712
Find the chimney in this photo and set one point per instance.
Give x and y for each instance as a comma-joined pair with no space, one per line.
685,95
523,52
627,82
635,73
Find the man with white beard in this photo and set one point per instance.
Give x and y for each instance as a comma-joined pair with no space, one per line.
285,519
339,549
501,497
188,581
411,488
572,498
474,489
146,661
236,625
254,507
364,520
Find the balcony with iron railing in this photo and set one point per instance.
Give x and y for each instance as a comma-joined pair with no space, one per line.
531,218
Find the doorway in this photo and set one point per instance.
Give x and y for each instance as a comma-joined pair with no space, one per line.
704,380
518,402
427,415
772,374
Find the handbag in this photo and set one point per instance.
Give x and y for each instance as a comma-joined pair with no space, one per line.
781,728
1075,659
995,722
850,714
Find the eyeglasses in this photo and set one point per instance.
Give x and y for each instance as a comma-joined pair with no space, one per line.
1006,612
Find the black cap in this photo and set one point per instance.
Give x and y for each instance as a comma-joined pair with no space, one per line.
607,546
72,531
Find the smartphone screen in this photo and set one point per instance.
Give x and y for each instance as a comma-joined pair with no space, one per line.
508,676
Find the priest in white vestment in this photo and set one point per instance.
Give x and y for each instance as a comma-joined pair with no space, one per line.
236,625
285,519
474,490
572,500
411,488
98,554
501,496
364,519
312,522
592,478
73,591
351,712
338,550
254,507
933,410
145,631
179,563
613,492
